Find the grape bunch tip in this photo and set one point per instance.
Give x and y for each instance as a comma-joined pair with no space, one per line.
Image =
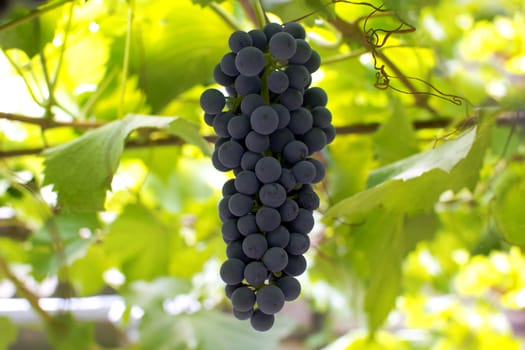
273,123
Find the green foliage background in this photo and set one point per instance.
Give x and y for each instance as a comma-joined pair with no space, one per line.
106,181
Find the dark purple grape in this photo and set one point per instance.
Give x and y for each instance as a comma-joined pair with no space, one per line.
239,40
240,204
250,102
247,85
289,210
242,315
271,29
246,224
270,299
246,182
234,251
319,170
255,273
261,322
302,53
267,219
278,237
228,188
254,246
295,29
303,223
229,230
230,154
264,120
283,113
222,78
315,97
315,140
228,64
282,45
298,244
212,101
281,138
232,271
217,163
220,123
287,179
268,169
298,76
290,287
322,117
239,126
304,172
296,265
291,99
314,62
278,82
301,121
258,39
295,151
330,133
249,159
250,61
243,299
272,195
256,142
308,199
275,259
224,211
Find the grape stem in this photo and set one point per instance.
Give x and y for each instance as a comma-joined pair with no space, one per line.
259,13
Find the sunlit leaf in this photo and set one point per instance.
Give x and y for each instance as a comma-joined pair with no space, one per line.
8,331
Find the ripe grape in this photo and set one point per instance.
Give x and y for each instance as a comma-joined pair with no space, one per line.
256,142
276,258
254,246
295,29
246,224
243,299
246,182
260,321
258,38
239,40
272,195
267,219
232,271
278,237
240,204
255,273
290,287
249,61
230,154
270,299
289,210
268,169
304,172
282,45
212,101
245,85
228,64
295,151
278,82
298,244
264,120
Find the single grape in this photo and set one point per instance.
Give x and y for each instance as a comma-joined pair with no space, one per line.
228,188
295,151
315,140
315,97
258,39
232,271
301,121
289,210
243,299
249,159
261,322
228,64
304,172
298,244
282,45
255,273
212,101
278,81
275,259
270,299
234,251
287,180
291,99
281,138
271,29
278,237
229,230
246,224
256,142
295,29
302,53
314,62
308,199
272,195
246,182
267,219
303,223
264,120
296,265
242,315
250,102
250,61
268,169
290,287
220,123
319,170
239,126
283,113
298,76
230,154
254,246
322,117
246,85
240,204
239,40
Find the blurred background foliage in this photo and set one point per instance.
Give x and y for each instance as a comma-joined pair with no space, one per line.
106,186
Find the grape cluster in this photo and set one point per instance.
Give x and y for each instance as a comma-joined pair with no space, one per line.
273,124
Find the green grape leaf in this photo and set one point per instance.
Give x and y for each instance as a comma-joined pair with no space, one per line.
140,243
81,170
67,227
415,183
8,332
385,255
30,36
166,70
507,204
